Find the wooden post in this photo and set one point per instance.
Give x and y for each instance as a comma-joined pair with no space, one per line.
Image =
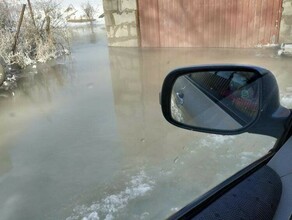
2,74
18,28
48,26
31,13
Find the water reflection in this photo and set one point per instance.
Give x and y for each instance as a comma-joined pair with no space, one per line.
36,84
38,79
89,133
81,33
136,85
201,161
5,160
58,136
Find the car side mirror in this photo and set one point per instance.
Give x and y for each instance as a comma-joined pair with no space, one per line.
224,99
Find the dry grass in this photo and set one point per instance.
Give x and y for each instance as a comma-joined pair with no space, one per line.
39,41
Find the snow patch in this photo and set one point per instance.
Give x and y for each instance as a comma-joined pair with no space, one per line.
92,216
247,157
106,209
175,209
267,45
216,141
144,215
286,100
176,112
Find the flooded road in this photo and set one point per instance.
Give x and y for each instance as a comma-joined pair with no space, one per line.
83,137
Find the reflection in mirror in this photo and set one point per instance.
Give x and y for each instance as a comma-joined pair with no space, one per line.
222,100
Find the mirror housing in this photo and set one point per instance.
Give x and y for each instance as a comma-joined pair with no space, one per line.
268,116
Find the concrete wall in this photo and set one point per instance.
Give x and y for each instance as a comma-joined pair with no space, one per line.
286,22
121,20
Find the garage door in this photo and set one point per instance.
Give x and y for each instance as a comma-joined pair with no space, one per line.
209,23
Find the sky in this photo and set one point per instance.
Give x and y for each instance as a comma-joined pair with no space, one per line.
97,4
76,3
79,2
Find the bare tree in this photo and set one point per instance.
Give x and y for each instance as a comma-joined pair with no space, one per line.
88,10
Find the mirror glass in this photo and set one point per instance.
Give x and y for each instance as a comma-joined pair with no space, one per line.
221,100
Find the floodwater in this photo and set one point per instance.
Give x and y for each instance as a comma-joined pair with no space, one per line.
83,137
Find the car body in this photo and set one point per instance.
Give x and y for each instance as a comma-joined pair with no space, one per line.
230,100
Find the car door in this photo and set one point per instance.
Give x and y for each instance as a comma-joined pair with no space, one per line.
230,99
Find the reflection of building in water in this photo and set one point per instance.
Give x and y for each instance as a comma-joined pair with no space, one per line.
128,92
137,78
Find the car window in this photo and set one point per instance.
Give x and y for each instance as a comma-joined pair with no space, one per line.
81,129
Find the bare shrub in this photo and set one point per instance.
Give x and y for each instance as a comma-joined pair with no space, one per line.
40,40
7,12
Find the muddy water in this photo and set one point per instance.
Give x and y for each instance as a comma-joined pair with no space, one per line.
83,137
